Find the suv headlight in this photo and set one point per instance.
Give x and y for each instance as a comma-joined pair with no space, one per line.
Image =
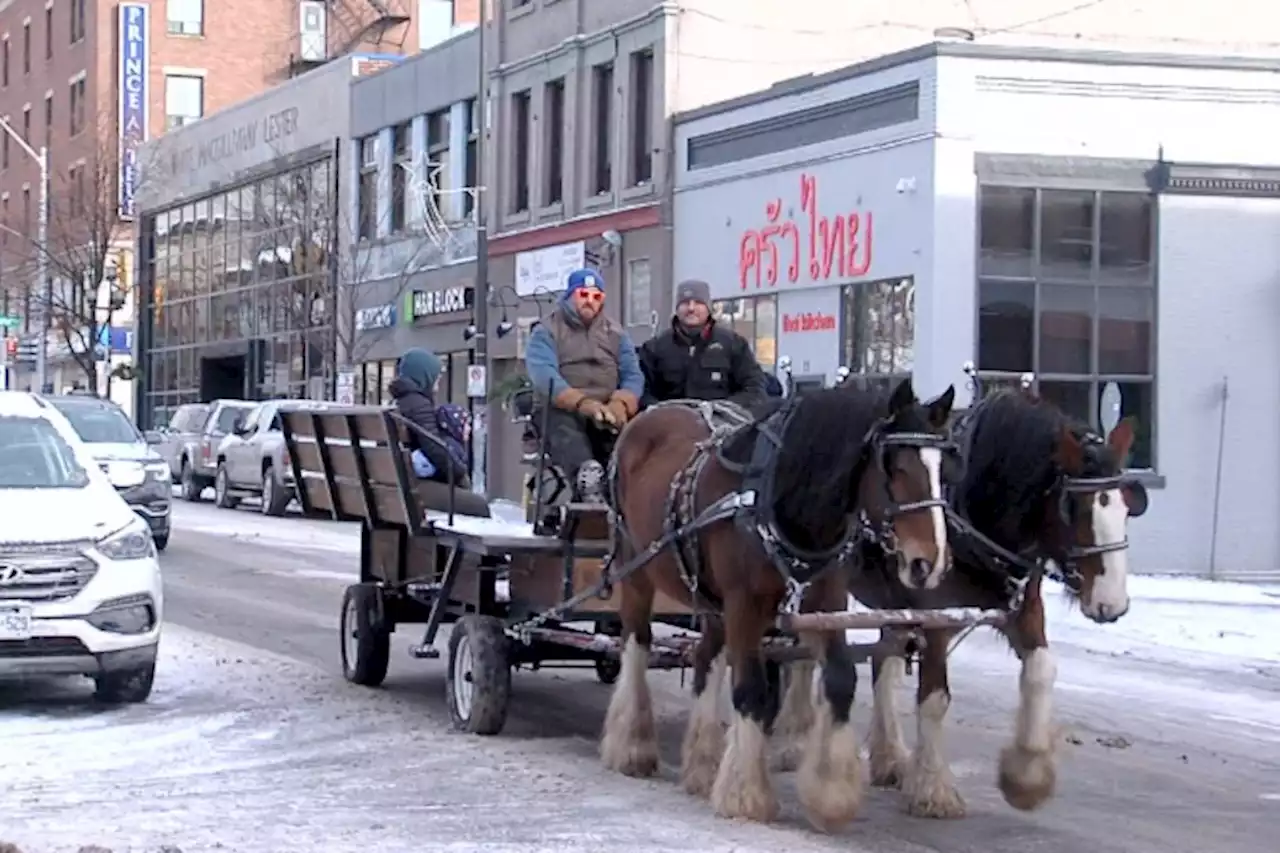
125,475
159,471
134,542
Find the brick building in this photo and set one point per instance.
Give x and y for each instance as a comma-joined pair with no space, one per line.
61,68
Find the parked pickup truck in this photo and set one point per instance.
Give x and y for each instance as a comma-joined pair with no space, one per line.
191,441
251,460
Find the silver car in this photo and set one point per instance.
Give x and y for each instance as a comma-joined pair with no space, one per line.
251,461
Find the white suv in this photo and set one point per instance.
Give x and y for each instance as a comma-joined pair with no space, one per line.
80,589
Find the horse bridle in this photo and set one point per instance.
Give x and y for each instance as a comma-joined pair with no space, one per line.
1068,486
878,442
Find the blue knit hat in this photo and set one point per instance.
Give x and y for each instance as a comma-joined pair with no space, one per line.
420,366
583,278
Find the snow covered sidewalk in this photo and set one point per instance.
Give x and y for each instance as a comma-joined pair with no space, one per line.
1188,621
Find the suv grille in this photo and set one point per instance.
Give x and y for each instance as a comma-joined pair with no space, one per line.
44,573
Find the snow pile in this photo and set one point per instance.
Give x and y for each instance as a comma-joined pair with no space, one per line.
290,532
1180,620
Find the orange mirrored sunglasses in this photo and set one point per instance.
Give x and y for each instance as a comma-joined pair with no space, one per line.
591,294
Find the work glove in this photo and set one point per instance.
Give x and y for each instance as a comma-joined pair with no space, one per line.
595,410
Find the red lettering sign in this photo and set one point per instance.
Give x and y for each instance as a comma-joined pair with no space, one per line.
839,244
810,321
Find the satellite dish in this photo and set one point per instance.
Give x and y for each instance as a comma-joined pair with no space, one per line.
1109,407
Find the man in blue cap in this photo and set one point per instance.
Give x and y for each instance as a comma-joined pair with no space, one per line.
584,366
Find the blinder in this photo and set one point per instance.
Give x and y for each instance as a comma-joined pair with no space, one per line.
880,443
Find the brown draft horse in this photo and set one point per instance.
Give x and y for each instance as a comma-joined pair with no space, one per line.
805,485
1040,495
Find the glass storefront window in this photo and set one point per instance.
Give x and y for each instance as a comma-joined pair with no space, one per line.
878,327
756,319
222,271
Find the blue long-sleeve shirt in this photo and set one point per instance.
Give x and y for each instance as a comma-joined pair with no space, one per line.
543,364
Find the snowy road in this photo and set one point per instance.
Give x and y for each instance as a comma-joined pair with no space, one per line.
253,742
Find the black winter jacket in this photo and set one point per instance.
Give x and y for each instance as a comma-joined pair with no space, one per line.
416,405
716,364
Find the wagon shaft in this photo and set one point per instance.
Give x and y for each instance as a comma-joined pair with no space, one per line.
956,617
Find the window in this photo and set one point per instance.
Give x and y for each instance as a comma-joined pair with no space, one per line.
26,210
76,175
877,330
553,117
438,132
48,33
367,192
401,170
26,124
4,147
78,98
602,128
641,117
4,63
185,17
183,100
26,48
473,150
48,117
756,319
520,126
1066,291
77,20
639,303
33,455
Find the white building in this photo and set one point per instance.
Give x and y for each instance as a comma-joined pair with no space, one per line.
1090,217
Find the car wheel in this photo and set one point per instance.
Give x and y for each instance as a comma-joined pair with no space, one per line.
222,496
191,487
275,500
162,541
126,687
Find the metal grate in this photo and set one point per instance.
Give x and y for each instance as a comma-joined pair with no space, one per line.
45,573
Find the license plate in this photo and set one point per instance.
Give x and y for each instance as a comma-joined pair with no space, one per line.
15,622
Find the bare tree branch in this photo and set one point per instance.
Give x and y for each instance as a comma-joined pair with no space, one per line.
84,233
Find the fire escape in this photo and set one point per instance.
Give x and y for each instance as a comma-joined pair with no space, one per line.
333,28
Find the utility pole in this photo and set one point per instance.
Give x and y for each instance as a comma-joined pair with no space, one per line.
480,448
42,252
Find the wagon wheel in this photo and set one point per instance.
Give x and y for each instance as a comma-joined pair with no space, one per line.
478,682
366,639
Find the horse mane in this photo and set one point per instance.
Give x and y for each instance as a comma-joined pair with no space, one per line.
1010,463
816,468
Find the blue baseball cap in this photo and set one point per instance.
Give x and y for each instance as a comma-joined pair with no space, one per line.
584,278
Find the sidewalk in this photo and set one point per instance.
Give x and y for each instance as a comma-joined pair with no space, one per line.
1191,621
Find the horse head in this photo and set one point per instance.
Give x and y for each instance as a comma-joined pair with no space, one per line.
901,491
1089,510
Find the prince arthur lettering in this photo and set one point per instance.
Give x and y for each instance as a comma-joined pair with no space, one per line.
239,140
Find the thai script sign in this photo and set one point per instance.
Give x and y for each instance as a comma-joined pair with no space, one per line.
133,96
821,247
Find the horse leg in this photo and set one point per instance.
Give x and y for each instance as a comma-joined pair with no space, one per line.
629,744
796,717
929,787
830,778
1028,774
887,745
742,788
704,738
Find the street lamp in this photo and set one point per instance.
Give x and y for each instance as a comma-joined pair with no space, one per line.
42,263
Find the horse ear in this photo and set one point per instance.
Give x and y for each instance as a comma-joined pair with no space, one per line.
1069,453
1121,439
904,396
940,407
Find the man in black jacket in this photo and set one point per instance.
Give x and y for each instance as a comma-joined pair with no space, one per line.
698,360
